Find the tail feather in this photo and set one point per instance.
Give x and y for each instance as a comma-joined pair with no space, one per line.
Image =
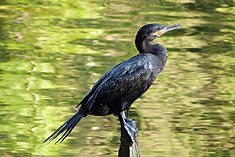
65,128
69,129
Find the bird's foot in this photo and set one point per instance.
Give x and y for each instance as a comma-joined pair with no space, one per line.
131,128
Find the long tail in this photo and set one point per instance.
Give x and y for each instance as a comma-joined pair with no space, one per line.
65,128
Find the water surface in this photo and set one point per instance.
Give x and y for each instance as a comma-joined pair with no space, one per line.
52,52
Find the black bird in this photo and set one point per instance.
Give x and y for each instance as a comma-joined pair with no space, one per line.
119,87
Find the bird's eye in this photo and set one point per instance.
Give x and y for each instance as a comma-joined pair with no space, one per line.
158,28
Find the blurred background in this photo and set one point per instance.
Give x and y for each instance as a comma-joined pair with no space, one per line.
52,52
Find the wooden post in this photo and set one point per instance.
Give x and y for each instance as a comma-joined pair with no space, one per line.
127,148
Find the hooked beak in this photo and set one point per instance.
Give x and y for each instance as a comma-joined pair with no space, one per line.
166,29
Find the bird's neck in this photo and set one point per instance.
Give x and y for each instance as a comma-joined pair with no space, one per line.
143,46
146,46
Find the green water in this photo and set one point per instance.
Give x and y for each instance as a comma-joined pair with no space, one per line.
52,52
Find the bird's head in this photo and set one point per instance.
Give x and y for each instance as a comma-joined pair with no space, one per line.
151,31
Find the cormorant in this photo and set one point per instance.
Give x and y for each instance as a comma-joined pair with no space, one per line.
119,87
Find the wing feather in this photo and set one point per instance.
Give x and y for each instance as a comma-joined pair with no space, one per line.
128,76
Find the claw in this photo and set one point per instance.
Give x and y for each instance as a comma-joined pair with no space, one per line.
129,125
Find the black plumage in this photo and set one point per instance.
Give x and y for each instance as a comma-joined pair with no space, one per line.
119,87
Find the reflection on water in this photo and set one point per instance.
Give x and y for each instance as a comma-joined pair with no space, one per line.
53,52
